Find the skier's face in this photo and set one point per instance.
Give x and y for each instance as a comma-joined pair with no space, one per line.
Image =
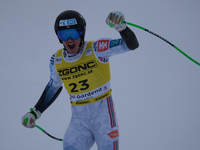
70,39
72,46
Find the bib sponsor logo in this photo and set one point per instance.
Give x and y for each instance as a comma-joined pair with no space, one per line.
103,45
67,22
78,68
58,60
88,52
91,93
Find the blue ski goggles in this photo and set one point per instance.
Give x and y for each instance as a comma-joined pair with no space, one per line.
73,34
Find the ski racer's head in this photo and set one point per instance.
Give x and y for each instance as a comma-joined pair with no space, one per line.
70,29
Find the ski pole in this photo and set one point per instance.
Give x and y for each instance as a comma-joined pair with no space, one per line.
48,133
26,120
142,28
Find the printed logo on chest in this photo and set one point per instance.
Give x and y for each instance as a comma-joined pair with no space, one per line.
78,68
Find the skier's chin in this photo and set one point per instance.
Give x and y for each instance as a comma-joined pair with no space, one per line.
72,51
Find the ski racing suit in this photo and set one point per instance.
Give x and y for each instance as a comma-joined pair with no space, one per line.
86,77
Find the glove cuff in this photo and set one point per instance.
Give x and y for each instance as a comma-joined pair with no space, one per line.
123,27
35,113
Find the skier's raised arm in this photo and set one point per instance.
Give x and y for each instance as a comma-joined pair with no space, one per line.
114,20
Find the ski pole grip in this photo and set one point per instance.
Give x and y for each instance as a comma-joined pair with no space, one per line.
122,22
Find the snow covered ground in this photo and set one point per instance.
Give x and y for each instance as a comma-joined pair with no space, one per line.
155,88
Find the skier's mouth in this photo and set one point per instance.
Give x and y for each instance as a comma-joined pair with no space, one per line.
71,46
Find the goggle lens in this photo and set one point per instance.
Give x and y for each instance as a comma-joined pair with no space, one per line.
64,35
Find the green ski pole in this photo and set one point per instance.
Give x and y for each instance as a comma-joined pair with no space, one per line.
48,133
142,28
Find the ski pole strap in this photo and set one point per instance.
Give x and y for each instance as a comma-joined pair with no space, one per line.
92,100
32,112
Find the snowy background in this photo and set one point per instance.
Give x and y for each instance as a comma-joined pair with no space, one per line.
155,88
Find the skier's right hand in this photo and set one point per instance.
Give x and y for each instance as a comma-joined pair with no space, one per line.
28,120
114,20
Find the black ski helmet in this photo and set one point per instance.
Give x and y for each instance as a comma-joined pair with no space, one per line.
70,19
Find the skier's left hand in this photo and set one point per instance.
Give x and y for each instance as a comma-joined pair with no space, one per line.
114,20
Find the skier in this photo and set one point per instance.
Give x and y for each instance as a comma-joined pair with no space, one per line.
83,67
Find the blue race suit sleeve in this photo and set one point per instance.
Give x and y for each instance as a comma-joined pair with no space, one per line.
52,89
